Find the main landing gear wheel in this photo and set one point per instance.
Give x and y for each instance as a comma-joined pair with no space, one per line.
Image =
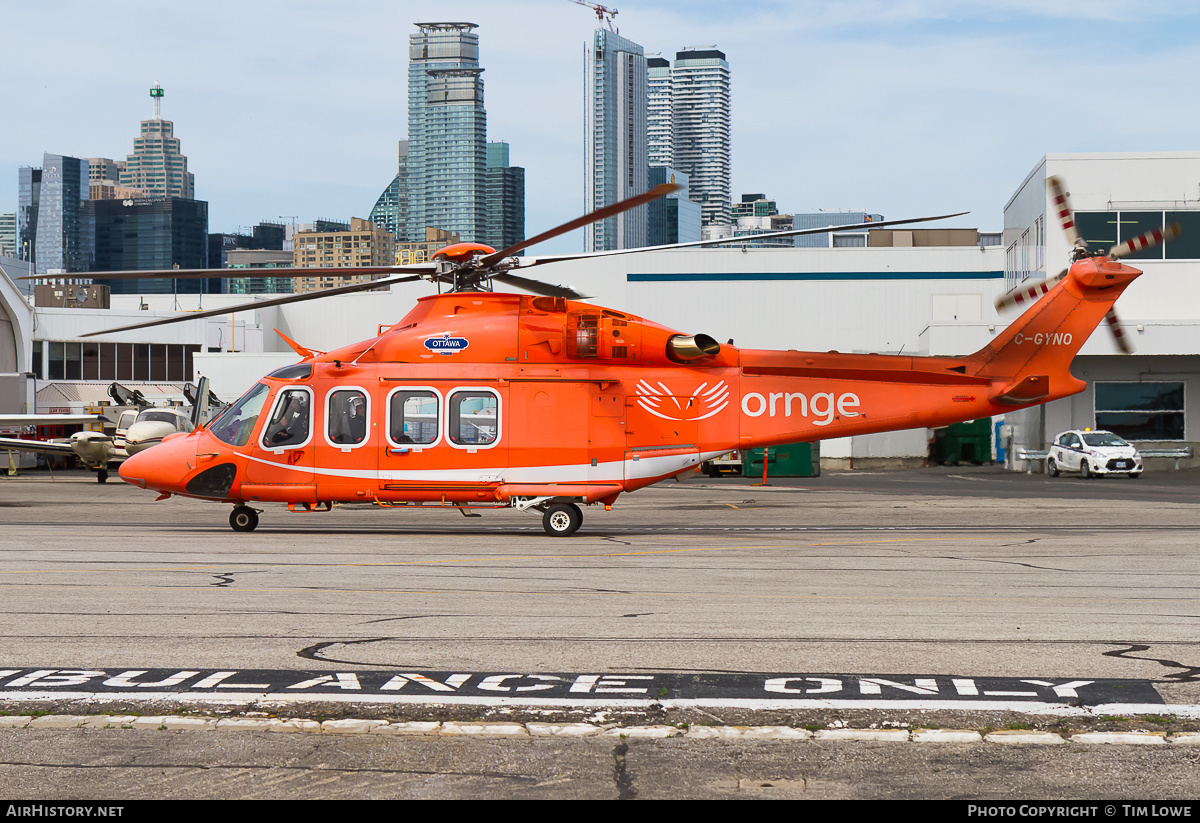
562,519
1051,467
243,519
102,476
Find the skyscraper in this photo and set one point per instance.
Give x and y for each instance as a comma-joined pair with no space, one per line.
674,218
155,233
157,167
615,141
8,234
446,169
660,113
386,211
391,209
701,99
51,231
505,199
29,195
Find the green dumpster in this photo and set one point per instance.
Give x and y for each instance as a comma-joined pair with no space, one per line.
788,460
969,442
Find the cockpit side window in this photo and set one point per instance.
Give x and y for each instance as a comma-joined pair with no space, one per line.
235,424
291,420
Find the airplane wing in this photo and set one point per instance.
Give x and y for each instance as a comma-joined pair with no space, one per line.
39,446
8,420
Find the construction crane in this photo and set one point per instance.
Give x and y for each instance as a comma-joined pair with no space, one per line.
602,12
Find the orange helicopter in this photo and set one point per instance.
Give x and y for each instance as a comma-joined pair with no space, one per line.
541,402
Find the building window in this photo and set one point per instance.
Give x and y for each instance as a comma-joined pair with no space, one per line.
1103,230
1141,411
171,362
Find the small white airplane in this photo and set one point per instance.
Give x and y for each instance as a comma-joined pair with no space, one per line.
136,430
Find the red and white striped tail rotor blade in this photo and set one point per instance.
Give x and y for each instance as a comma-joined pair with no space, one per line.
1062,207
1147,240
1114,326
1028,295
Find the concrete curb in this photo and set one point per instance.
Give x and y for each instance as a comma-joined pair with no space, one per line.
448,729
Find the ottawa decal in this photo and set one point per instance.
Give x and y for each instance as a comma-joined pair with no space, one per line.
445,344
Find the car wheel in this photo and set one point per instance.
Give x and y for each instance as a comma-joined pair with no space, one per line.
1134,475
1051,467
1085,469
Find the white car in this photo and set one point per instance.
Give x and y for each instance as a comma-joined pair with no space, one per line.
1093,454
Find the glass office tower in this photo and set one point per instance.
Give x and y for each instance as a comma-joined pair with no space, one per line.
446,170
157,233
505,199
52,232
616,142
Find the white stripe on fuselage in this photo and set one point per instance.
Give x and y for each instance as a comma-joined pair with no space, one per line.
610,472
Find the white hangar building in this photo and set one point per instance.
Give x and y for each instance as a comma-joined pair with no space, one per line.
898,294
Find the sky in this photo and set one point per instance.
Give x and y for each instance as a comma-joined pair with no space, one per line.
898,107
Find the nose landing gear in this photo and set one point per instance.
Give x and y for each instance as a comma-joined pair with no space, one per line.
243,519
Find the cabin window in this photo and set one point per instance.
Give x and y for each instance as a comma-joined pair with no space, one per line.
290,424
235,424
474,418
346,417
413,417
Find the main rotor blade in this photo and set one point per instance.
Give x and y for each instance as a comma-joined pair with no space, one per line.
228,274
661,190
1146,240
1029,294
726,241
262,304
538,287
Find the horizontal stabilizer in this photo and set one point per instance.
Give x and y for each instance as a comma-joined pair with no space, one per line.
1032,389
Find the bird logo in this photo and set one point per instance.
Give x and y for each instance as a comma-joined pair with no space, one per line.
702,403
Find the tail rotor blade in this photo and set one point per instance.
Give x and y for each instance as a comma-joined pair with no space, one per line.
1062,207
1148,240
1114,326
1028,295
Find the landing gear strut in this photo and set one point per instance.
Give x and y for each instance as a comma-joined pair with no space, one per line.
561,519
243,519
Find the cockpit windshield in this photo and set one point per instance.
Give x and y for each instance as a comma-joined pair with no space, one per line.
236,423
156,416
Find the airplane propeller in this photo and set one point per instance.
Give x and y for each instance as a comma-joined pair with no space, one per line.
1079,249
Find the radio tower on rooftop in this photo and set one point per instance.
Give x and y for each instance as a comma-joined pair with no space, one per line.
156,92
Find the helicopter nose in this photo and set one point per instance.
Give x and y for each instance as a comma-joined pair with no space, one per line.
161,468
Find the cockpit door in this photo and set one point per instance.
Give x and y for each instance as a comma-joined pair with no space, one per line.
284,453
